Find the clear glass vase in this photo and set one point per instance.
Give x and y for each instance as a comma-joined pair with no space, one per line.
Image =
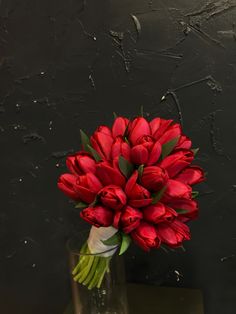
111,297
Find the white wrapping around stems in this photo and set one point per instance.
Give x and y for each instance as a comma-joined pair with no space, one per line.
96,236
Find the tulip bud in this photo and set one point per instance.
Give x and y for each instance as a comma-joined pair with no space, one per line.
101,141
113,197
109,175
138,127
191,175
98,216
189,206
137,195
159,126
120,148
119,126
87,187
67,184
130,219
176,190
81,163
173,234
177,161
158,213
154,178
145,236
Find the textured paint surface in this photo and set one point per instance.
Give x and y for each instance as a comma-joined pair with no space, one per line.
66,65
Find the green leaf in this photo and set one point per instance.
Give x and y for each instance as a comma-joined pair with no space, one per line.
85,140
125,167
141,111
195,194
195,151
157,196
126,240
115,239
181,211
81,205
115,115
95,154
140,171
169,146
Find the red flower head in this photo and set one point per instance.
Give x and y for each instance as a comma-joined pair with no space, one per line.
120,148
145,236
188,208
101,141
154,178
87,187
99,216
81,163
113,197
173,234
176,162
147,151
158,213
137,195
184,143
67,184
176,190
138,128
191,175
109,175
128,219
164,130
119,126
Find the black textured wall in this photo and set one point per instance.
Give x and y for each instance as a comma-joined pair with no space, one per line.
66,65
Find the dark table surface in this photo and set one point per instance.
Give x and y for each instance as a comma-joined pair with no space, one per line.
161,300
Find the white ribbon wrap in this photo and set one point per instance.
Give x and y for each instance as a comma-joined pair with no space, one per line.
96,236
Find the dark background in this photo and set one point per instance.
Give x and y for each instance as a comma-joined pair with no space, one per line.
66,65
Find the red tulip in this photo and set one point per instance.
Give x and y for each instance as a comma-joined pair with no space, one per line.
158,213
159,126
119,126
87,187
113,197
101,141
190,206
67,184
154,178
110,175
98,216
191,175
171,133
175,190
137,195
81,163
145,236
173,234
128,219
184,143
177,161
147,151
138,127
120,148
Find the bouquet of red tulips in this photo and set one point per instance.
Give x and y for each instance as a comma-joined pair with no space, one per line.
131,182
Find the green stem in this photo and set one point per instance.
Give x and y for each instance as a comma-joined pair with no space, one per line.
106,268
97,273
92,271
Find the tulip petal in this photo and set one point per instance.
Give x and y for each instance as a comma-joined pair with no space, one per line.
191,175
